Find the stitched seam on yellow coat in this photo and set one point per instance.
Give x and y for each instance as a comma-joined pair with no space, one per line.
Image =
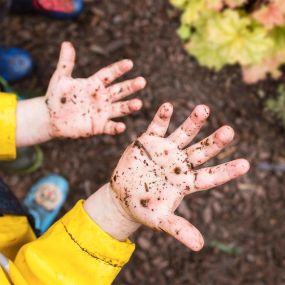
92,254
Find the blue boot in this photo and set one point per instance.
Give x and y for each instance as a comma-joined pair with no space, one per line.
45,199
15,64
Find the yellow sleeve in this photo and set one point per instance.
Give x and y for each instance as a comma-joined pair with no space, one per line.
8,103
73,251
15,231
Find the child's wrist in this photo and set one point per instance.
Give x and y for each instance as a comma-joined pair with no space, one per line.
107,212
46,120
33,122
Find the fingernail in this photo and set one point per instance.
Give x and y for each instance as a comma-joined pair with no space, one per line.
202,111
140,82
225,134
138,104
121,127
244,165
168,106
127,63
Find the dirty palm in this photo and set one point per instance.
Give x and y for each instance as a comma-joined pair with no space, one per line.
156,172
83,107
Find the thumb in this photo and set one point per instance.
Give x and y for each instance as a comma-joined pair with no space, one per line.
66,59
183,231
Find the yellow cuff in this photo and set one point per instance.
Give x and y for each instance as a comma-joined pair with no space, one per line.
93,240
8,103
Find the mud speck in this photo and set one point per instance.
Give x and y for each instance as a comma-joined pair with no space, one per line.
177,170
146,187
63,100
144,202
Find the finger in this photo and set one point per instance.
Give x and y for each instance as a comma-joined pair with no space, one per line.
210,177
110,73
126,88
183,231
189,129
124,108
66,60
160,122
114,128
209,147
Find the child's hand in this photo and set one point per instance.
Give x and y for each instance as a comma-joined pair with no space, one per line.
85,107
156,172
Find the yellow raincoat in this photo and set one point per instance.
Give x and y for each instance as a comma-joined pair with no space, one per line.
75,250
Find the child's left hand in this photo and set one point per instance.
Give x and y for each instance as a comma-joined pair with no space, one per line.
80,107
156,172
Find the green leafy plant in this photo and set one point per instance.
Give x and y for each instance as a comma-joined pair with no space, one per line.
277,106
246,32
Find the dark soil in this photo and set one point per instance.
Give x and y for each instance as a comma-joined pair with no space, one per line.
247,215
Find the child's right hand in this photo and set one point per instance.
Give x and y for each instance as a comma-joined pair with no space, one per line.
82,107
78,107
156,172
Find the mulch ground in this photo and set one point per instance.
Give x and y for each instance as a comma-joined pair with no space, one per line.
247,215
